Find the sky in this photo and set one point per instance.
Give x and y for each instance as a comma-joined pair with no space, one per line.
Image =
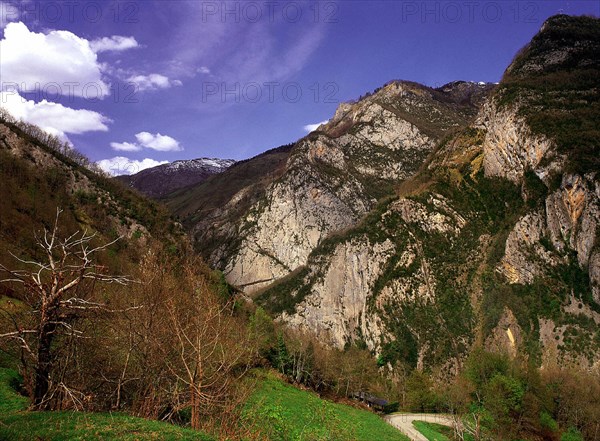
135,83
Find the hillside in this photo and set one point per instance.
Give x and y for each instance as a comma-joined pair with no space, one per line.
157,182
282,412
97,282
38,179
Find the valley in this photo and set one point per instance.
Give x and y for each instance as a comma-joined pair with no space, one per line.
427,254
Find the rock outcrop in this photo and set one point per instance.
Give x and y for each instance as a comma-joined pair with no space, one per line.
509,147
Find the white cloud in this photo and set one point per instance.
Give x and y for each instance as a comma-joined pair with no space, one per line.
52,117
125,147
158,142
61,58
115,43
312,127
203,70
119,165
152,82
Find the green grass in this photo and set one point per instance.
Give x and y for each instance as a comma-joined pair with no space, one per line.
438,432
282,412
433,432
16,423
277,410
85,426
10,401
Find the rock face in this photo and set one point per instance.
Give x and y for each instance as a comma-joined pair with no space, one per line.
573,215
302,208
358,288
333,177
337,307
159,181
418,222
502,220
524,256
509,147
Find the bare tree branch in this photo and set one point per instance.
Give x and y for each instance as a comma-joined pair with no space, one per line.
68,269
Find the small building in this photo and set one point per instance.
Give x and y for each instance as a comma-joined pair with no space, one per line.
374,402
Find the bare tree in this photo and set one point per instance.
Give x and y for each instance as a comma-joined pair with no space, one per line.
57,291
210,352
183,355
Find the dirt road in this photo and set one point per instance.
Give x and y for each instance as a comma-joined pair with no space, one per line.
403,422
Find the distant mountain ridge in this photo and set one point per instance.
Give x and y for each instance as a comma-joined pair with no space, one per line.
159,181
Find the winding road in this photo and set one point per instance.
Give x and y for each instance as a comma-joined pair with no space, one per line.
404,422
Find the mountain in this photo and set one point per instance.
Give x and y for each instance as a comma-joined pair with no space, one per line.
324,183
159,181
419,222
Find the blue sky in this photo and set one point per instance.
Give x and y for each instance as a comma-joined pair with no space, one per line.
157,81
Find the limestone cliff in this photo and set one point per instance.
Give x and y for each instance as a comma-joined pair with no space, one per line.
330,180
418,222
509,146
495,240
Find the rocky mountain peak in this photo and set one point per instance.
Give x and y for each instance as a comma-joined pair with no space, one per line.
563,42
436,111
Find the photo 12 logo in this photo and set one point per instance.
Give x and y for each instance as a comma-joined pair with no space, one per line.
269,92
469,11
118,92
49,12
271,11
125,167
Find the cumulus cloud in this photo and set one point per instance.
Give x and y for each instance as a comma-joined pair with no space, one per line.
312,127
125,147
158,142
52,117
116,43
152,82
119,165
34,61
